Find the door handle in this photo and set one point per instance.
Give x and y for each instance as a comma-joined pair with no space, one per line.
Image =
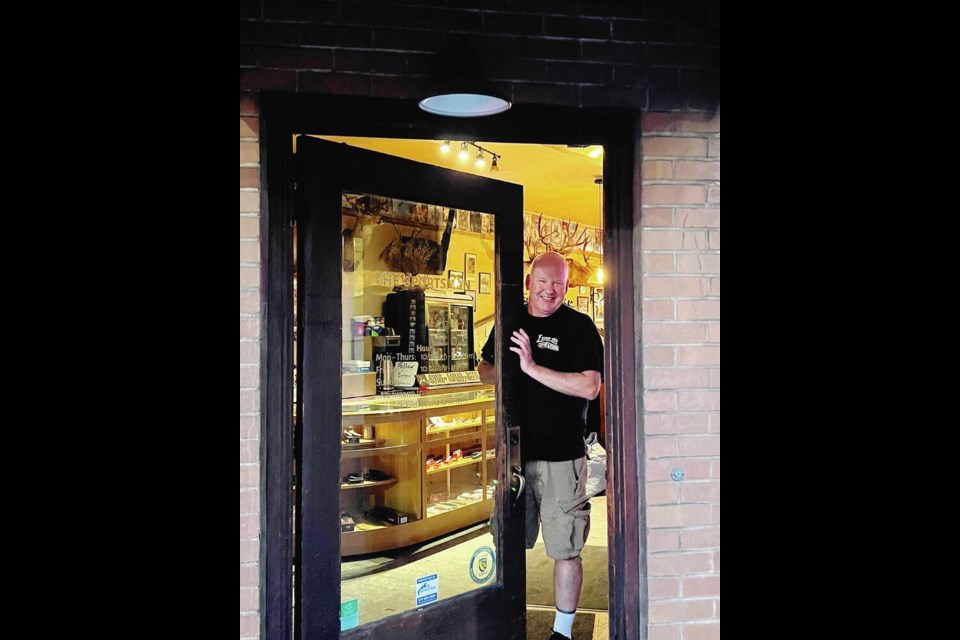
517,483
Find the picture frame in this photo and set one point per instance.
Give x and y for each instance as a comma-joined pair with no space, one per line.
470,285
583,291
470,266
583,304
485,282
455,280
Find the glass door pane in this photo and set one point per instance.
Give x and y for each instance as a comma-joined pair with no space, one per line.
417,470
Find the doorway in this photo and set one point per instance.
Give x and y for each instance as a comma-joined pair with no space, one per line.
285,115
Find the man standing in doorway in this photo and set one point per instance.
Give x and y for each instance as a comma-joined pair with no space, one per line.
561,355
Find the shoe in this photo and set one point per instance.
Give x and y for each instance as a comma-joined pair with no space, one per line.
556,635
350,433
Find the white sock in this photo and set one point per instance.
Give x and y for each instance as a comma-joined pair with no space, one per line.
563,623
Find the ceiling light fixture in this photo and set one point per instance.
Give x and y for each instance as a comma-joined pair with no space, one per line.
460,88
464,154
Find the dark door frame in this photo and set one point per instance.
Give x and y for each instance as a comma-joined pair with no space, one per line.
282,116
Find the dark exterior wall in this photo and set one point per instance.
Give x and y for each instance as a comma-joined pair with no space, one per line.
657,56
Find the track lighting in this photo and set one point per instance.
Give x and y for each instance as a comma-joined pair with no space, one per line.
481,159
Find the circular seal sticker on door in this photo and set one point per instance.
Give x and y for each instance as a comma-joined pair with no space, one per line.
482,564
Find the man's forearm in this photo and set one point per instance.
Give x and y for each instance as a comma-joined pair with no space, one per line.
488,372
583,384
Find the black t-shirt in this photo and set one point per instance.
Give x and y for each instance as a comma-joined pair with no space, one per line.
553,422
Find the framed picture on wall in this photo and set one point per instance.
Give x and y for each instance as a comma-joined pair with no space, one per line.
583,304
484,282
470,266
455,280
583,291
470,285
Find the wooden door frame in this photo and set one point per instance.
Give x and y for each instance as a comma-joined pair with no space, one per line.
282,116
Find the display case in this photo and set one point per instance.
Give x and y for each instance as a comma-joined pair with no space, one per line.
415,467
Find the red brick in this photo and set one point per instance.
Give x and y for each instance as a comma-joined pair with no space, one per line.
249,599
673,194
673,332
680,610
249,427
701,586
249,226
249,476
250,352
250,327
698,355
713,149
249,201
249,127
715,514
249,377
662,492
249,626
250,525
696,170
249,103
249,575
249,276
250,177
696,122
249,401
657,309
659,356
249,501
706,491
654,287
267,80
249,152
660,401
700,538
652,121
659,378
655,147
698,218
678,515
713,288
713,193
675,564
715,464
716,561
250,301
714,382
713,335
698,309
657,170
249,450
677,423
658,262
698,263
693,468
661,240
249,550
702,631
699,400
660,588
661,540
660,447
656,217
664,631
249,252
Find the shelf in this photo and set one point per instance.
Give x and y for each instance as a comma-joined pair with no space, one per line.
363,453
455,465
368,483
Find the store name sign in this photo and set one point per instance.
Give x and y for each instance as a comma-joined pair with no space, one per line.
448,378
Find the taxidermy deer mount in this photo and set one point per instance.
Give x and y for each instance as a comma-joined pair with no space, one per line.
571,243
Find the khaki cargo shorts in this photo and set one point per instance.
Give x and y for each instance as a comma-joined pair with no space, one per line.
556,498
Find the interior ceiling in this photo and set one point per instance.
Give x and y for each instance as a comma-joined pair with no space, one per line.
557,180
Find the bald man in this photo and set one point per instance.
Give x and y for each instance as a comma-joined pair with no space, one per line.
561,353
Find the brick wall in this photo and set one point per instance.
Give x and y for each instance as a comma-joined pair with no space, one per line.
249,367
646,55
680,246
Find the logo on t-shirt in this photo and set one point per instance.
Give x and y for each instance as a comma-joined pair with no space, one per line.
546,342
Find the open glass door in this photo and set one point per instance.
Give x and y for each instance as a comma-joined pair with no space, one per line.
402,455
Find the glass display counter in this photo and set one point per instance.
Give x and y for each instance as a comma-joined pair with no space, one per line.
414,467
